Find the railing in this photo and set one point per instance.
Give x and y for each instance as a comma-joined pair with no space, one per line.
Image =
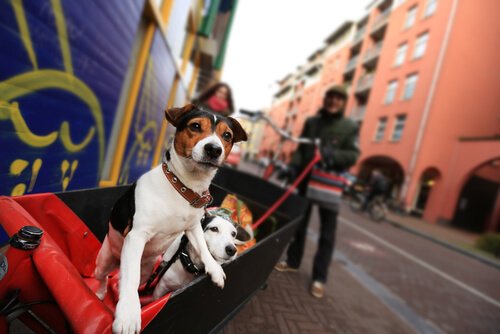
351,65
364,83
373,52
358,112
359,36
381,20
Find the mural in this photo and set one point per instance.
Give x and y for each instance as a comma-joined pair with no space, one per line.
149,113
60,79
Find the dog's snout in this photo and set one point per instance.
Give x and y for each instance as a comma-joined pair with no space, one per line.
230,250
213,151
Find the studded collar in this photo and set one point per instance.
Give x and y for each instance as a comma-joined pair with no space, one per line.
195,200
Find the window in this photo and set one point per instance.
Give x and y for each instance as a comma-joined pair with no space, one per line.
410,17
382,124
420,45
391,92
430,8
399,126
400,54
410,84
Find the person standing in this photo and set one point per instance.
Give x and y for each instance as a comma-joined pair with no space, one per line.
339,151
218,98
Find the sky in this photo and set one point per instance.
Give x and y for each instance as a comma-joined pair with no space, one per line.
271,38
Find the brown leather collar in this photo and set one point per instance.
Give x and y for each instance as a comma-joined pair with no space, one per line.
193,198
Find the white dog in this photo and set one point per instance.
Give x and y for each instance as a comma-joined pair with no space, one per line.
165,202
184,264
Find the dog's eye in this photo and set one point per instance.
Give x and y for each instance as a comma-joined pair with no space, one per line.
227,136
214,229
233,234
195,127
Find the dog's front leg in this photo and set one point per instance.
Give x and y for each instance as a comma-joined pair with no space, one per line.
197,240
128,309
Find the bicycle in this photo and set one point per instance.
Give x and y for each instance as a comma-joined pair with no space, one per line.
377,208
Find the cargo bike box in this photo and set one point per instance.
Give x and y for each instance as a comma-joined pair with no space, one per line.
49,288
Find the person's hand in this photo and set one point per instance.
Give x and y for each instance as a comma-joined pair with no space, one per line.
288,173
327,156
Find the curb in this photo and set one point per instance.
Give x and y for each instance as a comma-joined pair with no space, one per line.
448,245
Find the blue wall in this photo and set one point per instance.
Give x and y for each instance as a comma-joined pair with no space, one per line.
62,68
149,112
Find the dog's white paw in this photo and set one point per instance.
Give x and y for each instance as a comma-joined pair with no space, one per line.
127,317
216,273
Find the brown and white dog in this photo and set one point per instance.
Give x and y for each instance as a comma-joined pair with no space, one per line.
153,213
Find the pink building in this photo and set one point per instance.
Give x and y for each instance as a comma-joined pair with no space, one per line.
424,86
300,94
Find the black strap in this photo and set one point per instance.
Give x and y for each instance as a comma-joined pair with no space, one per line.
188,264
181,253
164,266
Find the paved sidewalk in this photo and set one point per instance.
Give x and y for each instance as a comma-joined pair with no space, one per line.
287,307
442,232
448,236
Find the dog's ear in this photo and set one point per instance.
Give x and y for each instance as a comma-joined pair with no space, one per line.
239,133
206,219
173,115
242,234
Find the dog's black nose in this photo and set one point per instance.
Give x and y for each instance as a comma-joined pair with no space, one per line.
230,250
213,151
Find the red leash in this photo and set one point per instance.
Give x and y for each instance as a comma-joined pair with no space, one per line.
317,157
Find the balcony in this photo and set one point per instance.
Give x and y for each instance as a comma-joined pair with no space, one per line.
293,112
371,55
358,38
364,85
378,26
351,66
358,113
283,91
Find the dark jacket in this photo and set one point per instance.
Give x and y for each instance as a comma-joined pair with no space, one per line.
338,140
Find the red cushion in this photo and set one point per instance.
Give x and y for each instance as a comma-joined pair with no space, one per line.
67,252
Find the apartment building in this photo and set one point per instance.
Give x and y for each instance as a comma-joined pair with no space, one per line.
424,86
300,94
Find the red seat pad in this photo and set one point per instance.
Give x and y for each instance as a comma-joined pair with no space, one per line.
71,235
22,274
79,305
67,252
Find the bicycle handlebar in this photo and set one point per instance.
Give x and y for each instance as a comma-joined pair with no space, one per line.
259,115
251,113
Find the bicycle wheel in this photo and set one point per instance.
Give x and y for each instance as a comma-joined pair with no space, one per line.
377,212
356,203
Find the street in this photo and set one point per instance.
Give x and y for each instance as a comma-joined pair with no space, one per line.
450,291
418,286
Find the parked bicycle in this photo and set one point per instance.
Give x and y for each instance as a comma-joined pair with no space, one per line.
377,208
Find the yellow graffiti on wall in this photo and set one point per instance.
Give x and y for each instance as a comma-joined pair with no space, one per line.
17,167
40,79
146,128
67,172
